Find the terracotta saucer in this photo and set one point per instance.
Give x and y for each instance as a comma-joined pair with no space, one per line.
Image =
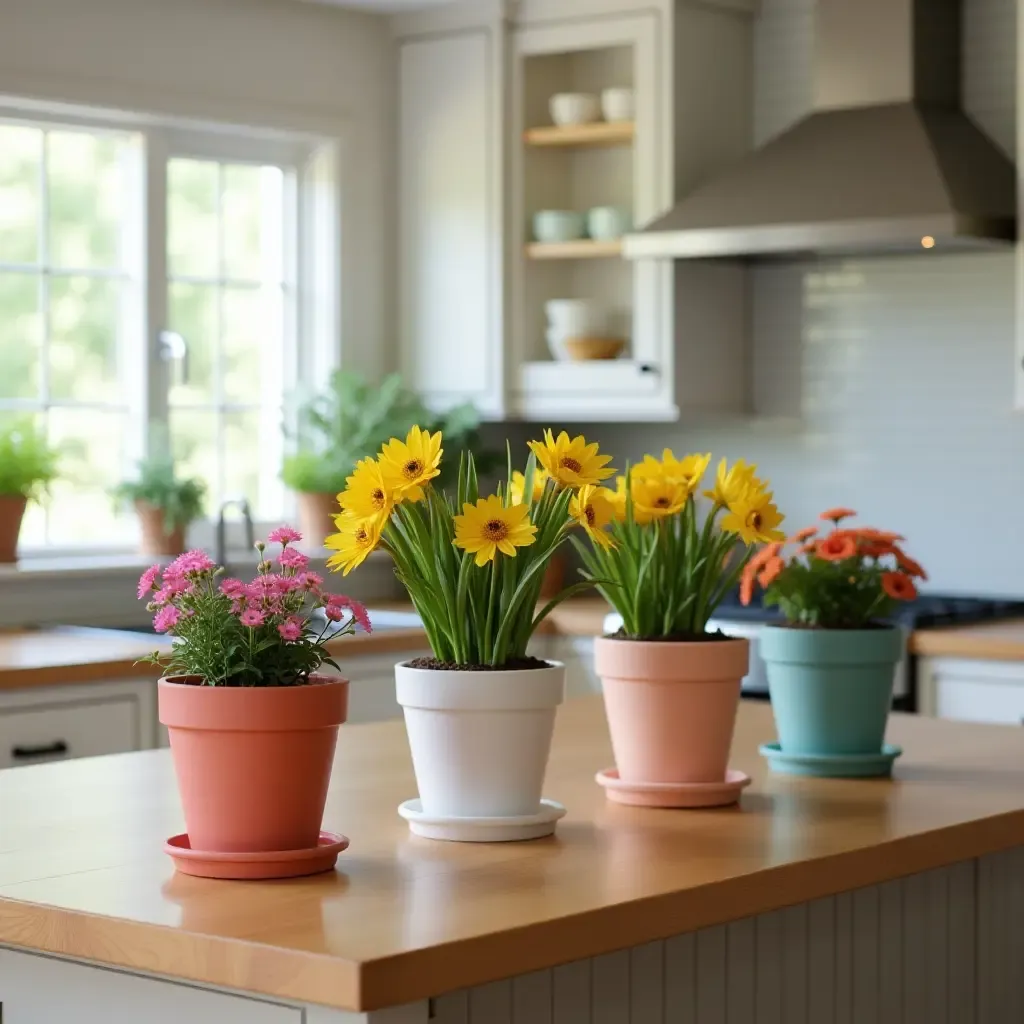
832,766
279,864
673,794
482,830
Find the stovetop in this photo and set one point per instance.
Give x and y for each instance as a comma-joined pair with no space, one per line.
929,611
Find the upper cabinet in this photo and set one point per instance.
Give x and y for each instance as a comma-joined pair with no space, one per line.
531,138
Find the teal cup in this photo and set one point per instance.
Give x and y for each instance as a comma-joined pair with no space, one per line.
831,689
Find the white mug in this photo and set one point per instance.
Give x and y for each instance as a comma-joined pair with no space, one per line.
575,317
607,222
617,104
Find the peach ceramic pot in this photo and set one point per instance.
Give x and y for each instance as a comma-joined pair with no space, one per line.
316,518
253,763
671,707
12,511
155,538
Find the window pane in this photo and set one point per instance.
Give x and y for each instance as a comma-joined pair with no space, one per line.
83,347
20,150
20,335
251,346
86,196
192,312
194,443
192,218
242,199
93,461
244,460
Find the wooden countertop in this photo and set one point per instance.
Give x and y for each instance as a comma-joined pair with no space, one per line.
989,641
82,872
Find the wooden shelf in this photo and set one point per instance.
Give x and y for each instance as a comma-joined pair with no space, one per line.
579,249
599,133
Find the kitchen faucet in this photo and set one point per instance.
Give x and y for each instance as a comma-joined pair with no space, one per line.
250,533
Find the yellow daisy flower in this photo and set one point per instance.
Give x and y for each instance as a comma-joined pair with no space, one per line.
689,471
754,518
732,482
518,484
407,466
617,498
594,509
571,463
353,542
656,498
490,526
366,495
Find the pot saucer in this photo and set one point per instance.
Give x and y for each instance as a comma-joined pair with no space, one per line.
482,830
834,766
673,794
264,864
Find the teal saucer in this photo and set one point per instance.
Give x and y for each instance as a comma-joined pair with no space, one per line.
834,766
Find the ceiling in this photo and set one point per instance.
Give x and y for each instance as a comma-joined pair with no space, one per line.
383,6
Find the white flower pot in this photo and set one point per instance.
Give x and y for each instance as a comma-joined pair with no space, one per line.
480,740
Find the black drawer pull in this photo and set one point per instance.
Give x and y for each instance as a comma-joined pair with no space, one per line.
54,749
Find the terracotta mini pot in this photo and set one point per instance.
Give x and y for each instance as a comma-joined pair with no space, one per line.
316,517
155,538
480,740
671,707
554,576
253,763
12,511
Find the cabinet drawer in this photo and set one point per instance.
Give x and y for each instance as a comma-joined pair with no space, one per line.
33,734
972,701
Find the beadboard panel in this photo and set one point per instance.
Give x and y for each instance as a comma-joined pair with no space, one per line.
944,947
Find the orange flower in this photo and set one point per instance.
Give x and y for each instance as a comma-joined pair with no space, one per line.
763,555
770,573
809,549
876,548
836,515
801,535
836,547
899,586
883,536
747,585
908,565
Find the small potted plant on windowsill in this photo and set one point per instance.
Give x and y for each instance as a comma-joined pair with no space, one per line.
481,711
831,665
166,505
27,466
252,725
671,689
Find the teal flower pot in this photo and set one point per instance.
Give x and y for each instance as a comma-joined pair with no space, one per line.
831,689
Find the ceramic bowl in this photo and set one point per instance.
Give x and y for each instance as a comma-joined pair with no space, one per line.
617,104
557,225
574,108
585,349
575,316
607,222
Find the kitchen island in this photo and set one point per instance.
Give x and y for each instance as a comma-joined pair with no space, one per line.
813,901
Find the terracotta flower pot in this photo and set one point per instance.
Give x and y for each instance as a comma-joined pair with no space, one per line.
12,511
671,707
554,576
155,539
253,763
316,517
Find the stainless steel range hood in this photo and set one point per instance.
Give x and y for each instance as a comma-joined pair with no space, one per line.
887,161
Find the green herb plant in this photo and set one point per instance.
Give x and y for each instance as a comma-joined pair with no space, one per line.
158,484
28,463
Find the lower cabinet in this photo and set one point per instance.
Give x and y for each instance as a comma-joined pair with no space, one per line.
56,723
973,691
371,692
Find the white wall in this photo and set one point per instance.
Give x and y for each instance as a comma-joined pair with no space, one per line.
899,371
277,63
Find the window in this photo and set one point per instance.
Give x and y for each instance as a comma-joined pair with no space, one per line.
149,288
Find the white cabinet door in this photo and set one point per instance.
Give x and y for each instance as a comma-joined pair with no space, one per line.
450,218
39,990
973,691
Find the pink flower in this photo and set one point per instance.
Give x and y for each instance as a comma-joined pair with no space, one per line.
251,618
358,610
334,612
177,584
147,581
264,587
166,619
191,561
309,580
234,589
291,629
284,535
163,596
292,559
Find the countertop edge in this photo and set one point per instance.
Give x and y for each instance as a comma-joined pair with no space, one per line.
245,966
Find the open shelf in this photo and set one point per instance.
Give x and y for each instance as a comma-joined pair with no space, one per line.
599,133
579,249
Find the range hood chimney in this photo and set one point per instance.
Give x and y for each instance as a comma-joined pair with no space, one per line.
886,162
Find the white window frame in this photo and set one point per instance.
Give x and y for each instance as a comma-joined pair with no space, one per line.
312,258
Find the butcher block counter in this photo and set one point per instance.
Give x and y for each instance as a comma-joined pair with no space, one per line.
986,641
851,897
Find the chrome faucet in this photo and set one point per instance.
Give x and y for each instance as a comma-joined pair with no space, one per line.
250,533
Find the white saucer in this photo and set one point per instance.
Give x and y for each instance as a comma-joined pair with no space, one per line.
482,830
